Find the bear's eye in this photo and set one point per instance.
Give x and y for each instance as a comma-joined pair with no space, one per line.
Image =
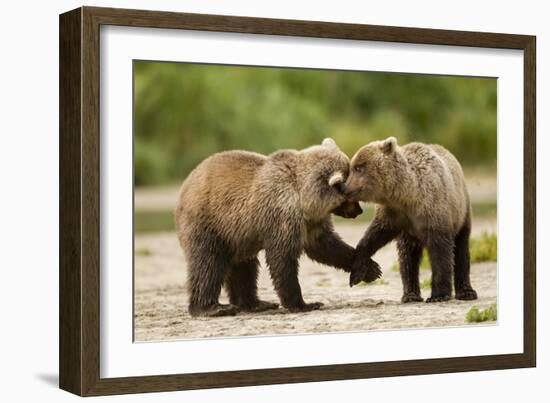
359,168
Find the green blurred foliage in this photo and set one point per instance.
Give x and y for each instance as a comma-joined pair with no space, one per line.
185,112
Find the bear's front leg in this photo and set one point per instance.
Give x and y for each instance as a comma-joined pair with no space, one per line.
440,247
380,232
364,269
325,246
283,268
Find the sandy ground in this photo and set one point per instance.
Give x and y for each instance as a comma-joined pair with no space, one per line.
161,297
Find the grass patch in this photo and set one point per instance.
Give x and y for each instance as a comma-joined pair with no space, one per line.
424,263
143,252
474,315
484,248
426,283
380,281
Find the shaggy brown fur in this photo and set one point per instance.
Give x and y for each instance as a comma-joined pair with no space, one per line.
236,203
422,201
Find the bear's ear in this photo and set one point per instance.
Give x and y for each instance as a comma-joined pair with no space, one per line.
336,178
388,146
328,142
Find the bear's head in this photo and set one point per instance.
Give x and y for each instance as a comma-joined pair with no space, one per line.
377,173
322,173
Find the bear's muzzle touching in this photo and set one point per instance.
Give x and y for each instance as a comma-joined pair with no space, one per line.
348,209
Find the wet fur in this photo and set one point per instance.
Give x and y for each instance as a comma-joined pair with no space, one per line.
422,202
236,203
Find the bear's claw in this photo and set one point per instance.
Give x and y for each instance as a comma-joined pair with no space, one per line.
313,306
364,271
466,294
411,297
260,306
440,298
215,310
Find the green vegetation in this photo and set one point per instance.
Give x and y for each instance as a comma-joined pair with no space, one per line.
426,283
474,315
143,252
484,248
424,263
484,209
154,221
186,112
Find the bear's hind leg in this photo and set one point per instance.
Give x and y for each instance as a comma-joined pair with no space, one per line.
207,272
440,247
410,251
463,288
242,287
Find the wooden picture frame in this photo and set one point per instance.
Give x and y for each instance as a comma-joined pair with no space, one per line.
79,345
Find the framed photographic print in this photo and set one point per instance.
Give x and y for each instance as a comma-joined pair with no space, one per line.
249,201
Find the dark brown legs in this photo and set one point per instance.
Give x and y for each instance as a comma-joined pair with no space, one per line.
449,258
241,285
440,247
410,252
379,233
283,269
463,288
325,246
206,276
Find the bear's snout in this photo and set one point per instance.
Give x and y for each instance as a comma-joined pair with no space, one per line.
348,210
340,188
352,194
353,187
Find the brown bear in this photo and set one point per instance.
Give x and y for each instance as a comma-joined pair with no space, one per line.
236,203
422,201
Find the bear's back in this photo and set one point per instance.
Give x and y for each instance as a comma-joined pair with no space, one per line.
219,184
434,162
451,162
236,196
441,185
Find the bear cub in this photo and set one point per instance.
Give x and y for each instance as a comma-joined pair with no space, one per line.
422,201
236,203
